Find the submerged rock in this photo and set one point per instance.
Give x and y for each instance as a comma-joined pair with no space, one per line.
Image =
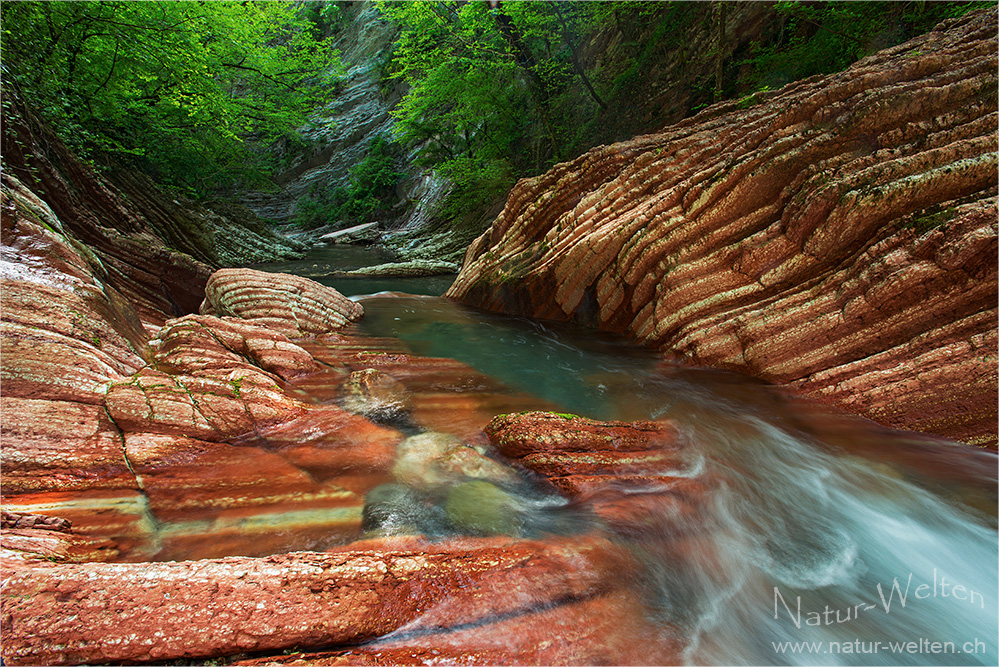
291,305
837,236
376,395
482,508
431,460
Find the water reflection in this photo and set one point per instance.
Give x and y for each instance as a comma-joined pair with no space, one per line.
321,262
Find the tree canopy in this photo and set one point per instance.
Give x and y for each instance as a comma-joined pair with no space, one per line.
178,86
487,86
503,89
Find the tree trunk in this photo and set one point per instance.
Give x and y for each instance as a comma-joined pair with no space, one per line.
575,58
719,48
527,63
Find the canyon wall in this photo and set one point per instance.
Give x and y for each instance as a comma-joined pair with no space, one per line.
837,236
150,246
212,441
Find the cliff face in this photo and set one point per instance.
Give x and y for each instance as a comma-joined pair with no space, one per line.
153,249
837,236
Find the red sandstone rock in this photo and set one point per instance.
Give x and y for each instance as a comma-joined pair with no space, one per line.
532,433
225,405
291,305
69,613
139,457
604,630
64,334
60,446
838,237
632,475
10,520
197,343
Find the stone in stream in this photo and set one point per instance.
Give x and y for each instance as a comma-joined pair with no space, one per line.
632,475
431,460
375,395
481,508
292,305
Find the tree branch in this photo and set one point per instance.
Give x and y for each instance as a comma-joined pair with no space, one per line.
241,66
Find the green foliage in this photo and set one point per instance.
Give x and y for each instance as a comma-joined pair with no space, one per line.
935,218
369,193
178,86
825,37
492,91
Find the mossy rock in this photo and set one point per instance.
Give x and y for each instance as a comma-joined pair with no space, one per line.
482,508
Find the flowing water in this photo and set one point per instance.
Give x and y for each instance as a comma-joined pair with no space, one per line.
823,538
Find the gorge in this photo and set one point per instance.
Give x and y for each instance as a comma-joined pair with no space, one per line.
746,359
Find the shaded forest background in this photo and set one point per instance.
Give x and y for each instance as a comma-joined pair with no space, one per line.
213,99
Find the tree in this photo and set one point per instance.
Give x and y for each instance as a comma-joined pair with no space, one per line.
178,86
488,85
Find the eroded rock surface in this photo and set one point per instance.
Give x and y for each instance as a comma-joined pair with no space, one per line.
95,612
191,443
635,476
291,305
837,236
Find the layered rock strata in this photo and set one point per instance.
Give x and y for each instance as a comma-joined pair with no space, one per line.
635,476
289,304
99,612
211,435
837,236
153,249
127,436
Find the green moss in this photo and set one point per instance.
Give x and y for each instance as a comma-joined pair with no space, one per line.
482,508
928,220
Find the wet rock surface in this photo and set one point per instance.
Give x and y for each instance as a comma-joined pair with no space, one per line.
634,476
291,305
127,437
153,465
837,236
103,611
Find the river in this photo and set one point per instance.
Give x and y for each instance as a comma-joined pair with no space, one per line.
825,539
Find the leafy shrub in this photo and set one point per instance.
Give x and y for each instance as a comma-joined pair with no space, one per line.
369,193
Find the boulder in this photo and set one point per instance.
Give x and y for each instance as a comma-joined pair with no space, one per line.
197,344
431,460
291,305
638,477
